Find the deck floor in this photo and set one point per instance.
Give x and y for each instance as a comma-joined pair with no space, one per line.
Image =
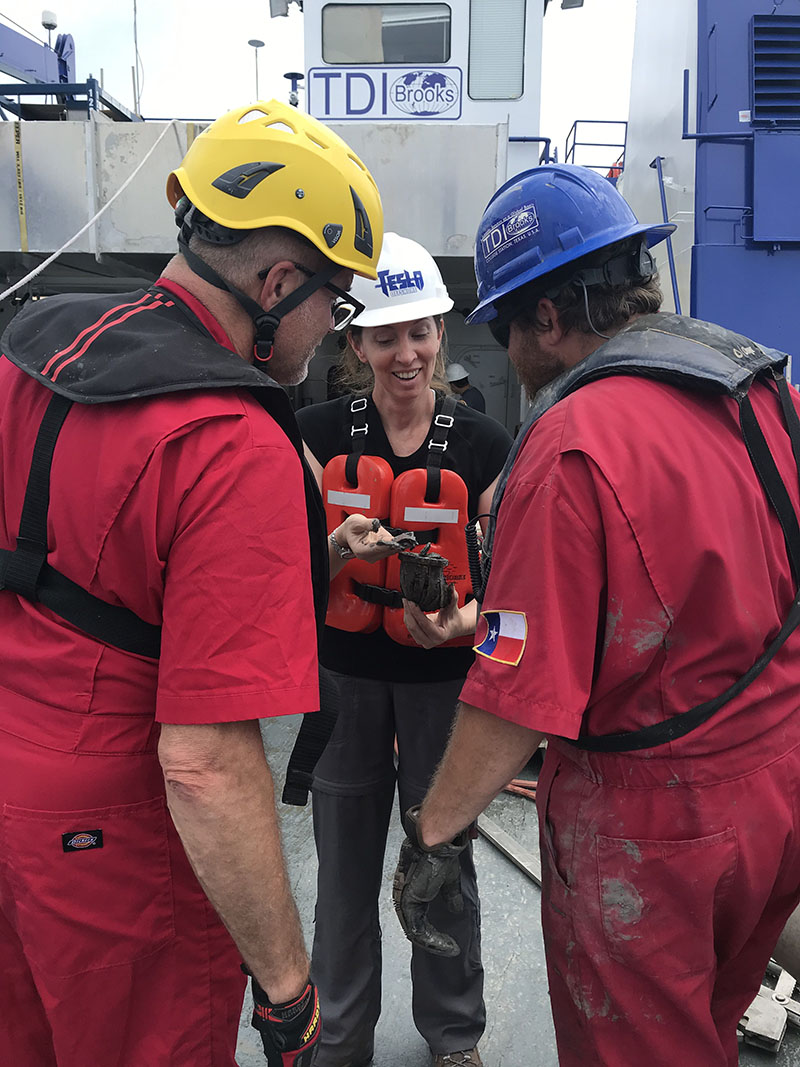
519,1029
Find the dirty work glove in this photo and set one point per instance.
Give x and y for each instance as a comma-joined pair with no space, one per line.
422,874
290,1031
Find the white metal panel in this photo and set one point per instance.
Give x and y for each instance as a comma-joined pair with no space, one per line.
665,44
435,180
9,219
140,219
54,183
72,169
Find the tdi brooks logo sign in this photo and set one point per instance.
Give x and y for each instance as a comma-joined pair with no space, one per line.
424,93
394,93
518,226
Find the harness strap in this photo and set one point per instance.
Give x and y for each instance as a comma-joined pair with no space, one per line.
684,722
437,446
24,565
25,571
378,594
790,415
359,428
770,478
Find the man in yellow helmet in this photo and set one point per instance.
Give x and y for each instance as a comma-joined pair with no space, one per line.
162,546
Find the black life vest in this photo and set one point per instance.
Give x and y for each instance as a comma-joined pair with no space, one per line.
91,349
691,355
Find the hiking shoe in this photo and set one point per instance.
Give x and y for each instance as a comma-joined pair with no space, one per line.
468,1058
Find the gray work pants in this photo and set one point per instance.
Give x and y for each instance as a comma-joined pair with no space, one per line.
352,801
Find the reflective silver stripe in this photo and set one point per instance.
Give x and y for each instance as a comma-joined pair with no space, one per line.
432,515
349,500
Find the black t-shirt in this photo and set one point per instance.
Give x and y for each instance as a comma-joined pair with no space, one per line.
477,447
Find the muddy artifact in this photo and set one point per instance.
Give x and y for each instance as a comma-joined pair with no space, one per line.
422,579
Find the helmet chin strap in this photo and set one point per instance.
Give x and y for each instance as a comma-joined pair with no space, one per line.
266,322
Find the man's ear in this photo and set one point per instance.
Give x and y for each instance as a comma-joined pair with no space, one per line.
277,283
548,319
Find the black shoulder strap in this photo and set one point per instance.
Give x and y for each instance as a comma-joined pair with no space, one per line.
25,570
359,428
683,723
437,446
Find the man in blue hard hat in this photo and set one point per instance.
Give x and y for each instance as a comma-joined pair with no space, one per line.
639,610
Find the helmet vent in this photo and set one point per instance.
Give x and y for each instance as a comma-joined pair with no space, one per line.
251,116
241,181
282,126
362,240
313,140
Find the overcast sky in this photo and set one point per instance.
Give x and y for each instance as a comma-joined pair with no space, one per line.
196,62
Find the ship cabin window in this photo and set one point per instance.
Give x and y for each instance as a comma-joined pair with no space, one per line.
496,49
385,33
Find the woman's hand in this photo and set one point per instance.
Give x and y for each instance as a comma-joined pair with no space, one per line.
445,624
365,538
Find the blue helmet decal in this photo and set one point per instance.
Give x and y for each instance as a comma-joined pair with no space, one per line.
509,230
395,282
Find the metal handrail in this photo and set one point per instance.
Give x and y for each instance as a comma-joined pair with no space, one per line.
570,149
545,156
90,89
656,164
736,135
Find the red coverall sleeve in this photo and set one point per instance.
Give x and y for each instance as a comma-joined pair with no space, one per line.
239,637
548,563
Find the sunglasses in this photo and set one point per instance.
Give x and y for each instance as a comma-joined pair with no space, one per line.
507,308
344,308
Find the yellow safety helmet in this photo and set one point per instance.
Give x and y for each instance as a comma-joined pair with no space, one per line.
268,164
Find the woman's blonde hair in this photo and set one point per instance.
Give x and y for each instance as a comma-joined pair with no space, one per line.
357,377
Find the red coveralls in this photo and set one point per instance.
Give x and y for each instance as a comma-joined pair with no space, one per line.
193,512
637,540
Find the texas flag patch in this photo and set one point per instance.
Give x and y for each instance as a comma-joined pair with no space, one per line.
507,632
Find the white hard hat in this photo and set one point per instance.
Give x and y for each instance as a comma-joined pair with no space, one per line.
409,285
455,372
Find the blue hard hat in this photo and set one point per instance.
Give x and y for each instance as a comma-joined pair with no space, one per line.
541,220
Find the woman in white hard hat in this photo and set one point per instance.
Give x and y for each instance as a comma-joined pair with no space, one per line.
398,448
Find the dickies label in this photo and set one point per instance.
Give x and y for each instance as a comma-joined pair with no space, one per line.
82,840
